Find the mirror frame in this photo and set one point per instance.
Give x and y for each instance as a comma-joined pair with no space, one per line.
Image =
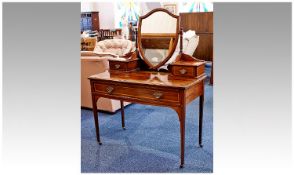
139,44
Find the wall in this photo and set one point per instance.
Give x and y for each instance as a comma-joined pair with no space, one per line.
146,7
107,9
106,12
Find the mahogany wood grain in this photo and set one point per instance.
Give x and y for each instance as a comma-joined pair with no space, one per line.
148,78
202,23
95,21
131,63
183,70
155,43
151,88
181,41
188,66
193,92
204,49
201,103
122,108
211,74
131,92
158,35
95,112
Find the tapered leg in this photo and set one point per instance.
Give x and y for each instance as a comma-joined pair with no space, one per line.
201,101
182,130
122,114
94,103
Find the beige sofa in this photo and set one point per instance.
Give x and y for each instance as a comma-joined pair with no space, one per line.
96,61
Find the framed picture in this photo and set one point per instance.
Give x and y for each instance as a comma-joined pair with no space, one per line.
171,7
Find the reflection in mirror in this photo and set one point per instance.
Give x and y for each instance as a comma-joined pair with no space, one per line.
157,36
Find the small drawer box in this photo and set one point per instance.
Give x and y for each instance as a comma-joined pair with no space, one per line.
127,66
188,71
188,67
183,70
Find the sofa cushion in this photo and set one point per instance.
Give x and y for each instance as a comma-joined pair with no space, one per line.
119,47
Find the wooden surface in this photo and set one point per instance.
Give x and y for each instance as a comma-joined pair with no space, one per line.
129,65
95,21
202,23
187,66
155,43
108,34
151,88
158,35
204,49
88,44
163,79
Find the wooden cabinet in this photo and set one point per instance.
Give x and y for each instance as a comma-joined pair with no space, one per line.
89,21
202,23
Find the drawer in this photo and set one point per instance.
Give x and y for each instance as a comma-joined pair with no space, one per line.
183,70
127,66
117,65
140,92
188,71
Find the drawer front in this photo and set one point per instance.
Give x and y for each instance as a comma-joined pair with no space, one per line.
133,65
116,65
183,70
139,92
123,66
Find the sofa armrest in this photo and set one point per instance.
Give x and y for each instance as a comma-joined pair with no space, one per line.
87,53
105,54
98,54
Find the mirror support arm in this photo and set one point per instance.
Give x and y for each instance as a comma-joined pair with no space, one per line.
136,39
181,40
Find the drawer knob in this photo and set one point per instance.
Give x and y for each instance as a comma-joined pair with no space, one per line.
183,71
109,89
117,66
157,95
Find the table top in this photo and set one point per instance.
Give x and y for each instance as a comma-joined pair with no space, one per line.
164,79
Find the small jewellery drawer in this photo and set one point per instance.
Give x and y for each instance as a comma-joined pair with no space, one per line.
127,66
187,66
116,65
188,71
137,92
183,70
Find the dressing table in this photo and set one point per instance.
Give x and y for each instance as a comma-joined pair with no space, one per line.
158,33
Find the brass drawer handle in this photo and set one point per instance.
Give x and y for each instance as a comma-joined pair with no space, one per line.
109,89
183,71
157,95
117,66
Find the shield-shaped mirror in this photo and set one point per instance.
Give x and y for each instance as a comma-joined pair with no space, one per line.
157,37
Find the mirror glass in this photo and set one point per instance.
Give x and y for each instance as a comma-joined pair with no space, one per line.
157,37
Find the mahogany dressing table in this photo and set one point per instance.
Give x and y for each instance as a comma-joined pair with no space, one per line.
181,84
